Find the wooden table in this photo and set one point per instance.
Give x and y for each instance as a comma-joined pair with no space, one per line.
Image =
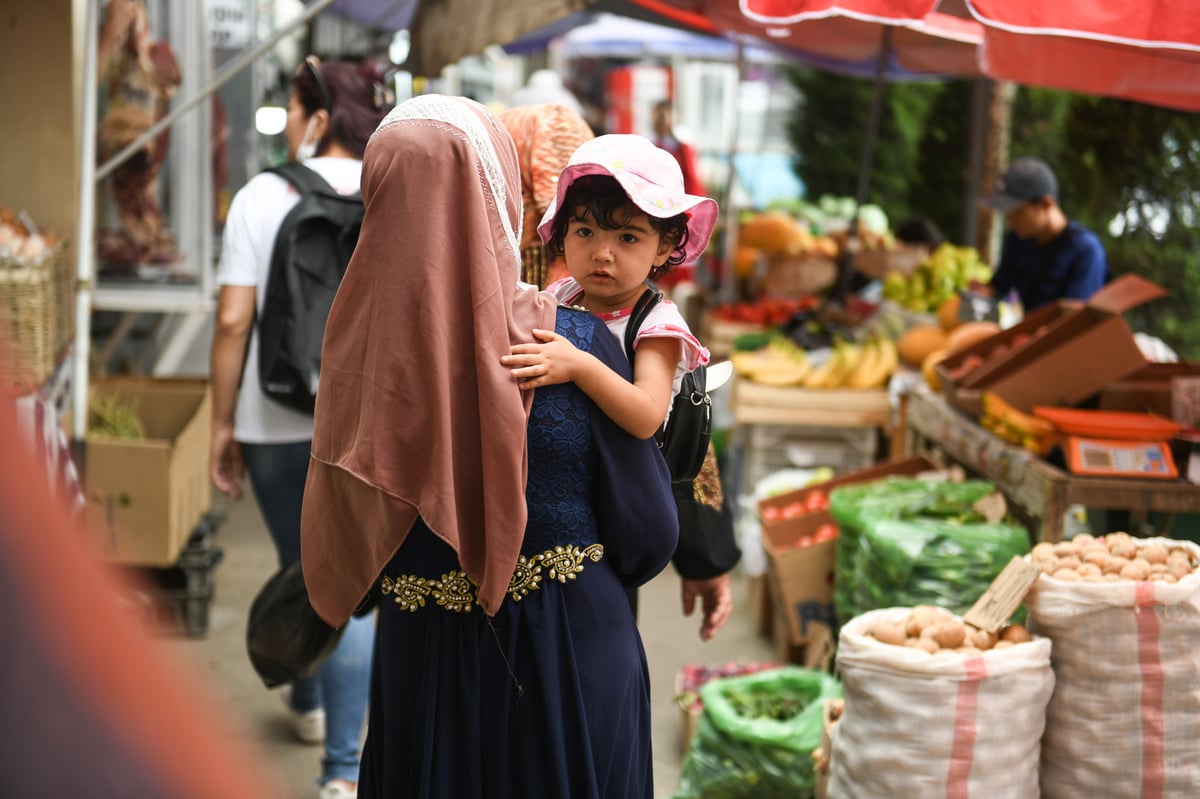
1038,492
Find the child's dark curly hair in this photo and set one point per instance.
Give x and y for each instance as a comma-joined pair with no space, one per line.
610,207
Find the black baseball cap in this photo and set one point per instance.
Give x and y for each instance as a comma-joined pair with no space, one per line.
1025,179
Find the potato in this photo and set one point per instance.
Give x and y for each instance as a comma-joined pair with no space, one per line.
950,634
1166,578
1002,644
1089,570
1042,551
1065,548
1066,575
889,632
1084,539
1114,565
1015,633
968,650
1153,553
923,616
1097,555
1069,562
1136,569
981,639
1178,567
1124,548
926,644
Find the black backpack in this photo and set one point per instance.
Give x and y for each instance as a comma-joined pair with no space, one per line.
311,251
685,436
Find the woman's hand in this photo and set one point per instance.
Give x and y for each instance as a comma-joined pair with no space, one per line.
554,360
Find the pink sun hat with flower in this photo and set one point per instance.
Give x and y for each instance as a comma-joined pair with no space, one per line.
648,174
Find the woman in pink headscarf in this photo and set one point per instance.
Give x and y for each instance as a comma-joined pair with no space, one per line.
497,528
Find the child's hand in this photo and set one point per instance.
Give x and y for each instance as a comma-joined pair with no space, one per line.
555,360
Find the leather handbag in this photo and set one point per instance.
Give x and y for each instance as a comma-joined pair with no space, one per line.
285,638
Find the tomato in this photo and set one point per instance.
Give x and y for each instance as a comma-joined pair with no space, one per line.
826,532
794,509
771,513
817,500
804,541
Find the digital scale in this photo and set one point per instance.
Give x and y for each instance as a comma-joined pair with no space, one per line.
1100,457
1115,443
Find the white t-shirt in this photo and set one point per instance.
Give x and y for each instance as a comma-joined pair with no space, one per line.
254,218
663,321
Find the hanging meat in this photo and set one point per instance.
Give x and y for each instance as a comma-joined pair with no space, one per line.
140,77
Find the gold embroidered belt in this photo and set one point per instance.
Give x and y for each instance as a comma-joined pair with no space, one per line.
455,591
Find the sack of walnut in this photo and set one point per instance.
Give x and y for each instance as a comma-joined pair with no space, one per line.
962,722
1125,716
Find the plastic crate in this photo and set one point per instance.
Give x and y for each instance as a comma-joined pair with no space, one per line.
763,449
176,600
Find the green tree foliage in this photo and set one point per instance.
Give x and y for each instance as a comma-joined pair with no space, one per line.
1133,175
829,130
937,187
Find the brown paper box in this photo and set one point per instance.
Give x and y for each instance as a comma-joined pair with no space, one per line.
145,496
1081,350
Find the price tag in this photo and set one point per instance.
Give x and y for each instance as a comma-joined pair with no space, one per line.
996,606
993,507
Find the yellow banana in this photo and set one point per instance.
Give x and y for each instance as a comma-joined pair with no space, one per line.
866,372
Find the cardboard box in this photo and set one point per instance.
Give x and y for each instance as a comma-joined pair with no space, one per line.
801,578
1080,350
902,467
145,496
1148,390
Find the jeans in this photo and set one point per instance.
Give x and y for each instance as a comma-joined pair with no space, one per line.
342,685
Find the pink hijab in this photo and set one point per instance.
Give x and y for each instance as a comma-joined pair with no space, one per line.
415,415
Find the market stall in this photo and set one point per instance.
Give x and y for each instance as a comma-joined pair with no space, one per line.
1042,493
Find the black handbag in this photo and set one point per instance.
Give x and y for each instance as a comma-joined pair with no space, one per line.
285,638
685,437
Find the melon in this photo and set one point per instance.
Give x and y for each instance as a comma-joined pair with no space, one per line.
970,333
918,341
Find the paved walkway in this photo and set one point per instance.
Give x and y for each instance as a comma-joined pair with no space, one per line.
670,642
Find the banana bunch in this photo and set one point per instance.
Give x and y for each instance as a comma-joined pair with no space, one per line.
867,365
1017,427
780,363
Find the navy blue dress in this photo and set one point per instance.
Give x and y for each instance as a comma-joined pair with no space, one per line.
551,697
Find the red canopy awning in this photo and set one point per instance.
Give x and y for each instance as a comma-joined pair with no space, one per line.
1144,50
922,40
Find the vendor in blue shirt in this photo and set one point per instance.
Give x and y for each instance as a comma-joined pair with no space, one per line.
1045,256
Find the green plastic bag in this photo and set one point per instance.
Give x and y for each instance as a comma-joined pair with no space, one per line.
757,735
856,505
926,561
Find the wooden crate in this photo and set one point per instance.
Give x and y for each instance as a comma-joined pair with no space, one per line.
759,404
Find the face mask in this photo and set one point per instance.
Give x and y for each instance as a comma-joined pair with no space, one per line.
307,149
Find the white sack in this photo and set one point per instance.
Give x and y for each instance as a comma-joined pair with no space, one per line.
1124,720
943,726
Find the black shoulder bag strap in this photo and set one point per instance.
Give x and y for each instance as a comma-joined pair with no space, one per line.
306,180
650,297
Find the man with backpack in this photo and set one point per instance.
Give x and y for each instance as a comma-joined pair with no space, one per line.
288,236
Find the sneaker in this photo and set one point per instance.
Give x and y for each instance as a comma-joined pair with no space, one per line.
308,727
338,789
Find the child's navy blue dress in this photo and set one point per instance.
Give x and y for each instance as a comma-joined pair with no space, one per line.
551,697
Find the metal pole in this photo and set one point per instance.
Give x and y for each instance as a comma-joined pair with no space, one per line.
846,267
84,235
727,291
227,72
868,154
